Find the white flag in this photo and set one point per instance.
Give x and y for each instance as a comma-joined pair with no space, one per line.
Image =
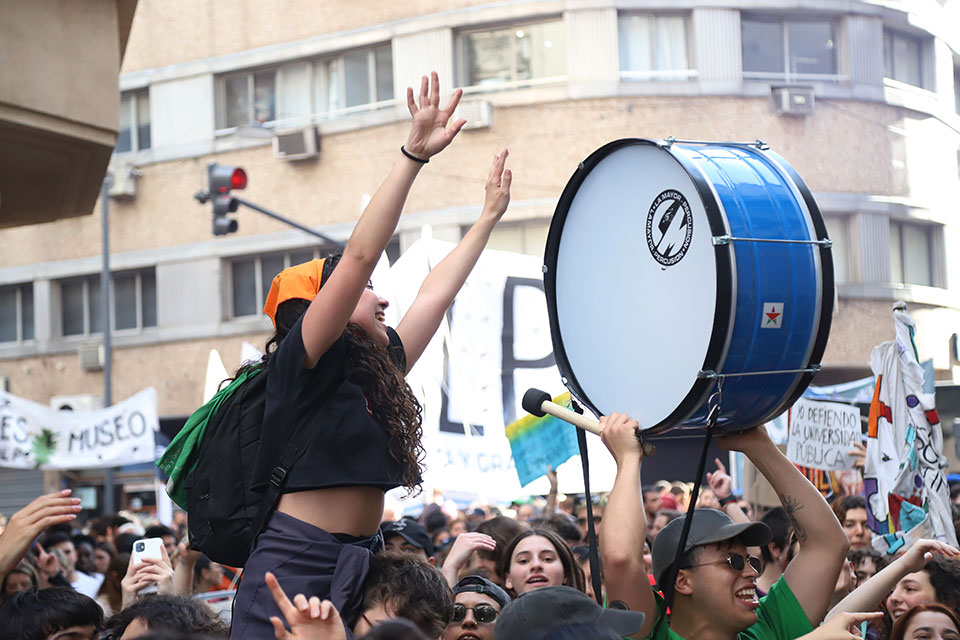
905,488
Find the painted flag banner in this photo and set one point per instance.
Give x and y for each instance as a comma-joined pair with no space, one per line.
34,436
538,443
904,485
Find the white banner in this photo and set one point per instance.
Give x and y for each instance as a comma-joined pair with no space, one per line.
493,346
34,436
822,434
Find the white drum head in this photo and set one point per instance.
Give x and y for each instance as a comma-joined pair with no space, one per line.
636,284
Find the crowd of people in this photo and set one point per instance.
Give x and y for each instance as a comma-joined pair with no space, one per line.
514,571
330,564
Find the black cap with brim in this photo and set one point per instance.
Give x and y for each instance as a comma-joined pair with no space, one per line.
553,606
708,527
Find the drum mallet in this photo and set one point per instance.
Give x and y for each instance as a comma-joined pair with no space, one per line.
539,403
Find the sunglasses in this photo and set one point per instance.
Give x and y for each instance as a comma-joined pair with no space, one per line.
736,561
483,613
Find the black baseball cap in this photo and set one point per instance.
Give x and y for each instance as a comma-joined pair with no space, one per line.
479,584
554,606
411,531
708,526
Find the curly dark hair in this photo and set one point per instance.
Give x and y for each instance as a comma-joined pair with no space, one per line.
391,400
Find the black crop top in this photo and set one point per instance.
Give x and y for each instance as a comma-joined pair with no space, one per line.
348,448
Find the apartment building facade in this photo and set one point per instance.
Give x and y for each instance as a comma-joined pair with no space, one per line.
862,97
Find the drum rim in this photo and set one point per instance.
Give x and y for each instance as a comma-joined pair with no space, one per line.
723,256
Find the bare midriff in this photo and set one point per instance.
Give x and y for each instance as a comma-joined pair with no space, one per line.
355,511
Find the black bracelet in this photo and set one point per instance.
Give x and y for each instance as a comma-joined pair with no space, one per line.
727,500
413,157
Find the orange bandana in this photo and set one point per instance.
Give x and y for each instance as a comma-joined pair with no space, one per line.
299,281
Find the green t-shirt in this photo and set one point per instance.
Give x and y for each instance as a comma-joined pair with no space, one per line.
780,617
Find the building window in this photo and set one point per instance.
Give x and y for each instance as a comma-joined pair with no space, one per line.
134,130
133,303
956,88
911,250
789,49
305,91
653,47
251,276
16,313
837,231
903,58
519,55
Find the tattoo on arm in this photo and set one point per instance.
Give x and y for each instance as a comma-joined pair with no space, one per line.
791,505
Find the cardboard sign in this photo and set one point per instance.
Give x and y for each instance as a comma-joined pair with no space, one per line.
821,434
538,443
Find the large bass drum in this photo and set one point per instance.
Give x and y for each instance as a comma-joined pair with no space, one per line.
673,270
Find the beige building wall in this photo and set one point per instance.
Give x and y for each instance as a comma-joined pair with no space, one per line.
874,150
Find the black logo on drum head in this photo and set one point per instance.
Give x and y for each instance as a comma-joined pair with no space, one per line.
669,227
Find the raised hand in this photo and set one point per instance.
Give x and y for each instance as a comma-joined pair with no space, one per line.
843,626
48,566
619,434
308,619
921,551
720,481
498,187
25,525
460,552
430,134
745,441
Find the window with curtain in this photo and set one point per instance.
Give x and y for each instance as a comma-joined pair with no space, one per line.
911,253
788,48
653,47
134,129
513,56
133,302
16,313
251,277
837,231
903,58
301,92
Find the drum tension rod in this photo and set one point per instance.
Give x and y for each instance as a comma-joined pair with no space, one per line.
713,375
758,143
719,240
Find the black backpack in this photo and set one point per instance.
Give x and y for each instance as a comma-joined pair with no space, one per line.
225,515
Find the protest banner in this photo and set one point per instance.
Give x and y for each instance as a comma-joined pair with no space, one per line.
822,433
493,345
34,436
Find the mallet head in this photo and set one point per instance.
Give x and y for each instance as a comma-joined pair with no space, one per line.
533,401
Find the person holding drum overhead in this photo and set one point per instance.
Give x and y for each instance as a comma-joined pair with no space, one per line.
715,595
336,373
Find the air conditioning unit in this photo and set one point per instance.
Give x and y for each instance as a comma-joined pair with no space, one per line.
80,402
91,357
794,101
479,114
124,183
298,144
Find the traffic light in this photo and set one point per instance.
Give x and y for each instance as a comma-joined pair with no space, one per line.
220,181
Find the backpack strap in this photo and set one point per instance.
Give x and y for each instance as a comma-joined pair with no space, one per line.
278,477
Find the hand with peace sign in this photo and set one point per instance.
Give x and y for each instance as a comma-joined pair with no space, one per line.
308,619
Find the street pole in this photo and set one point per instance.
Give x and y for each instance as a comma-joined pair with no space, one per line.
109,505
